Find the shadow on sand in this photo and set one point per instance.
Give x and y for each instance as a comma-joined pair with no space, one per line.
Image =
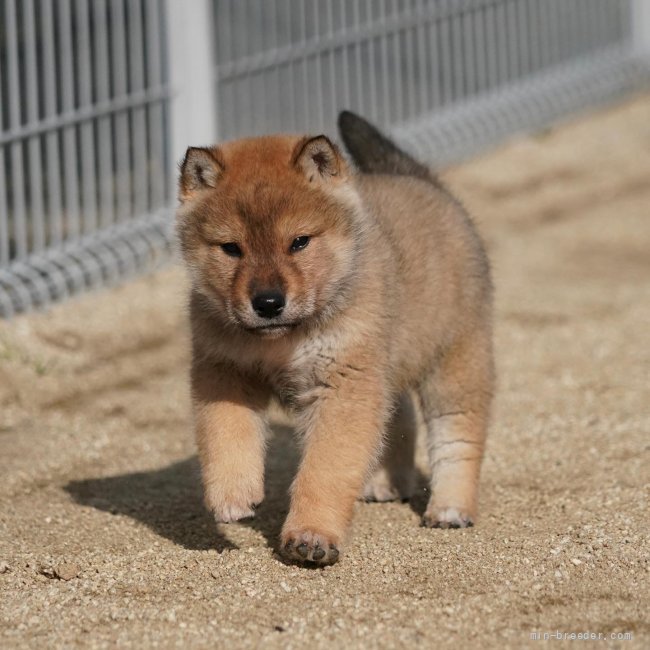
169,500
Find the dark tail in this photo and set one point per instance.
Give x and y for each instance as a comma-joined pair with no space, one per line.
374,153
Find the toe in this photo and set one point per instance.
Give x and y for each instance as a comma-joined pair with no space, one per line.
310,548
302,550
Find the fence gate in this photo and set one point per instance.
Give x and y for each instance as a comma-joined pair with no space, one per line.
99,99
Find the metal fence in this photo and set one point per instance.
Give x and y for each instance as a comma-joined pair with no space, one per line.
84,172
99,99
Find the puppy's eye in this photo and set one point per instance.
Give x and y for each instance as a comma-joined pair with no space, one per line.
299,243
231,249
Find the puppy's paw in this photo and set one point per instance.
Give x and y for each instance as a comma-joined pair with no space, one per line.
447,518
382,487
307,546
232,505
380,492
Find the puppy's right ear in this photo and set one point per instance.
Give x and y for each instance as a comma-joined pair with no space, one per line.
201,169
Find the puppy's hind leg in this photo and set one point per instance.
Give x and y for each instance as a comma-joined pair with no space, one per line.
394,478
455,403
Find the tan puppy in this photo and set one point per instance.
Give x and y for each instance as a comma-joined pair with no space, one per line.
344,295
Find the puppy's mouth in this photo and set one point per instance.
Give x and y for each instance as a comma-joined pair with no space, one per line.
272,329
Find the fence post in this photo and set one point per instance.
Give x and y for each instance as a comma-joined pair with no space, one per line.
191,70
641,27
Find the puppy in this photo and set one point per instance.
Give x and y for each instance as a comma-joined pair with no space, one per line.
353,298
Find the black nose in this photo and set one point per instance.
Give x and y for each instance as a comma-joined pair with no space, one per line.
268,304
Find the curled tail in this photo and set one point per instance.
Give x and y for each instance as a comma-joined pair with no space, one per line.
374,153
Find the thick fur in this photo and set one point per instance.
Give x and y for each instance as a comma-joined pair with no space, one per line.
388,312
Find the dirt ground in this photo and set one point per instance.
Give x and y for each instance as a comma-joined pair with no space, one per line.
103,538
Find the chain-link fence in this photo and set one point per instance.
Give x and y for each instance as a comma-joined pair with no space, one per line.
100,97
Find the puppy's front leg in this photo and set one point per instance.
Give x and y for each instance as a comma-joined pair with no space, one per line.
343,436
230,434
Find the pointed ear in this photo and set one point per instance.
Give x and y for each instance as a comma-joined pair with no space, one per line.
200,169
318,159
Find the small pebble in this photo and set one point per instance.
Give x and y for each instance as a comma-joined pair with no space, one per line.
67,571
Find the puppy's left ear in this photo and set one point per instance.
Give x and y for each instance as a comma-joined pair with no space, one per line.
318,159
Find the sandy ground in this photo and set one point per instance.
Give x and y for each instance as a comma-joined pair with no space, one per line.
103,538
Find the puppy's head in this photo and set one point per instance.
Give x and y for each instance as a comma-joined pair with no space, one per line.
270,229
